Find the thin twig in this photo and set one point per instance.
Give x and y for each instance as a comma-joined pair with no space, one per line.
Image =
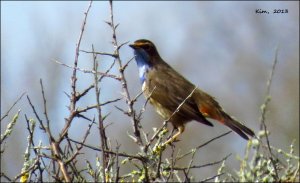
204,144
28,170
141,158
35,150
264,110
45,110
210,178
117,166
201,166
165,122
6,114
42,126
89,71
82,142
9,128
5,176
100,53
73,98
190,164
102,134
182,103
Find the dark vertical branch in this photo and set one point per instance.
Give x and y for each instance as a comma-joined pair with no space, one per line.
73,97
103,137
131,111
47,127
117,166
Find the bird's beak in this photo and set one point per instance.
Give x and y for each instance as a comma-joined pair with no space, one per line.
133,46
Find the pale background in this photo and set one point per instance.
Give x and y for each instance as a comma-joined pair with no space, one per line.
225,48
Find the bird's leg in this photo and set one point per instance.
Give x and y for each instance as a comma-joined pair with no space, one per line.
180,131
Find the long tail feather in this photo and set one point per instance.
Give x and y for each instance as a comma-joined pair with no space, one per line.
238,127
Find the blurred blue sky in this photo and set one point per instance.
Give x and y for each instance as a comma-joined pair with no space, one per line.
31,27
223,47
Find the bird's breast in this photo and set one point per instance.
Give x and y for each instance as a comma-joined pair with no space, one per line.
144,86
160,109
142,72
143,63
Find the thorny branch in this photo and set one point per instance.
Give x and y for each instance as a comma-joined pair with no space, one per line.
74,97
130,103
105,74
100,119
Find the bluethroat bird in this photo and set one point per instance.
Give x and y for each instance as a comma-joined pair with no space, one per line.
169,91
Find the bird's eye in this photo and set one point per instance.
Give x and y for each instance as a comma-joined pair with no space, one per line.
146,47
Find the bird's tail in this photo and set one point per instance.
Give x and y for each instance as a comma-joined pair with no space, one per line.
210,108
236,126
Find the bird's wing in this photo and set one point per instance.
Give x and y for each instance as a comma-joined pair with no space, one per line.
170,89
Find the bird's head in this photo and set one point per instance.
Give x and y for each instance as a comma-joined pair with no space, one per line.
146,56
145,52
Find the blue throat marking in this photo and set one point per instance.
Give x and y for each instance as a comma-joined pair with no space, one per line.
143,63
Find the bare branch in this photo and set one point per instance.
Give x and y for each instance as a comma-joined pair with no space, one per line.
73,98
90,72
131,111
6,114
264,109
204,144
211,178
100,53
141,158
9,127
102,133
201,166
45,110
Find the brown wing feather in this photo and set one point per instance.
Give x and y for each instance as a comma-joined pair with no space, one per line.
170,96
